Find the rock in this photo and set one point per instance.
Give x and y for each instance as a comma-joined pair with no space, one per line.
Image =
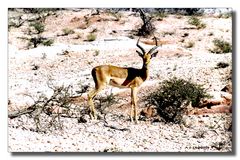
149,112
228,88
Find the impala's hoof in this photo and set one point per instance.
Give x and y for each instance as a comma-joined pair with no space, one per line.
136,122
131,119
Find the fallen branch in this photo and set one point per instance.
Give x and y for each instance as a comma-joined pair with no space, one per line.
14,114
115,128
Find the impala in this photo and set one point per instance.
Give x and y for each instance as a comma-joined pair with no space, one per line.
122,77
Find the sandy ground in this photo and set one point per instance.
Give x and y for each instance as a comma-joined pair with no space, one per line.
69,62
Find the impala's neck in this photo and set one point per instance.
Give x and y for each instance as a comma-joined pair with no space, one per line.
145,69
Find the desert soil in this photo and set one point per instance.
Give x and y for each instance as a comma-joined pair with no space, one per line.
69,62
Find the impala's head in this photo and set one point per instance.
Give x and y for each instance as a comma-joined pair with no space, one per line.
146,56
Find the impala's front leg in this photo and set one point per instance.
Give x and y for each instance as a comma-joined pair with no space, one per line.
92,112
134,104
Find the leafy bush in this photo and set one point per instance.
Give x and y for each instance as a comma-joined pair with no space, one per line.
221,47
173,96
38,26
196,22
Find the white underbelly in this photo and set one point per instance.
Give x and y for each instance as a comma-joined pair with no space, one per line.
118,82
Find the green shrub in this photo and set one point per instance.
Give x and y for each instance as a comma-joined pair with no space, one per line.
221,47
196,22
173,96
91,37
38,27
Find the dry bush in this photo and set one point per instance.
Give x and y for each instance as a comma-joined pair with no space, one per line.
147,27
221,46
38,40
91,37
67,31
47,111
38,27
196,22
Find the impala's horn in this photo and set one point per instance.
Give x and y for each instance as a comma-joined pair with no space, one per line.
141,48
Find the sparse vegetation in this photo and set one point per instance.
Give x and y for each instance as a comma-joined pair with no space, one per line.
116,15
189,44
38,27
40,10
15,22
147,27
47,111
91,37
96,52
35,41
174,95
61,109
168,33
159,15
67,31
221,65
196,22
225,15
107,101
48,42
221,46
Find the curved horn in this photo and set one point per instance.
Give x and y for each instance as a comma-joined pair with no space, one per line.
143,51
155,47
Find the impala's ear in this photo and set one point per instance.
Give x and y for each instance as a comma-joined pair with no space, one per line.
139,53
154,54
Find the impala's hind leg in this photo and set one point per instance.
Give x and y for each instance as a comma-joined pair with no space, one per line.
91,95
134,105
100,83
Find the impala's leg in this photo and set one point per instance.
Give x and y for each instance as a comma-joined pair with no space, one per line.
91,104
134,104
91,95
100,83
